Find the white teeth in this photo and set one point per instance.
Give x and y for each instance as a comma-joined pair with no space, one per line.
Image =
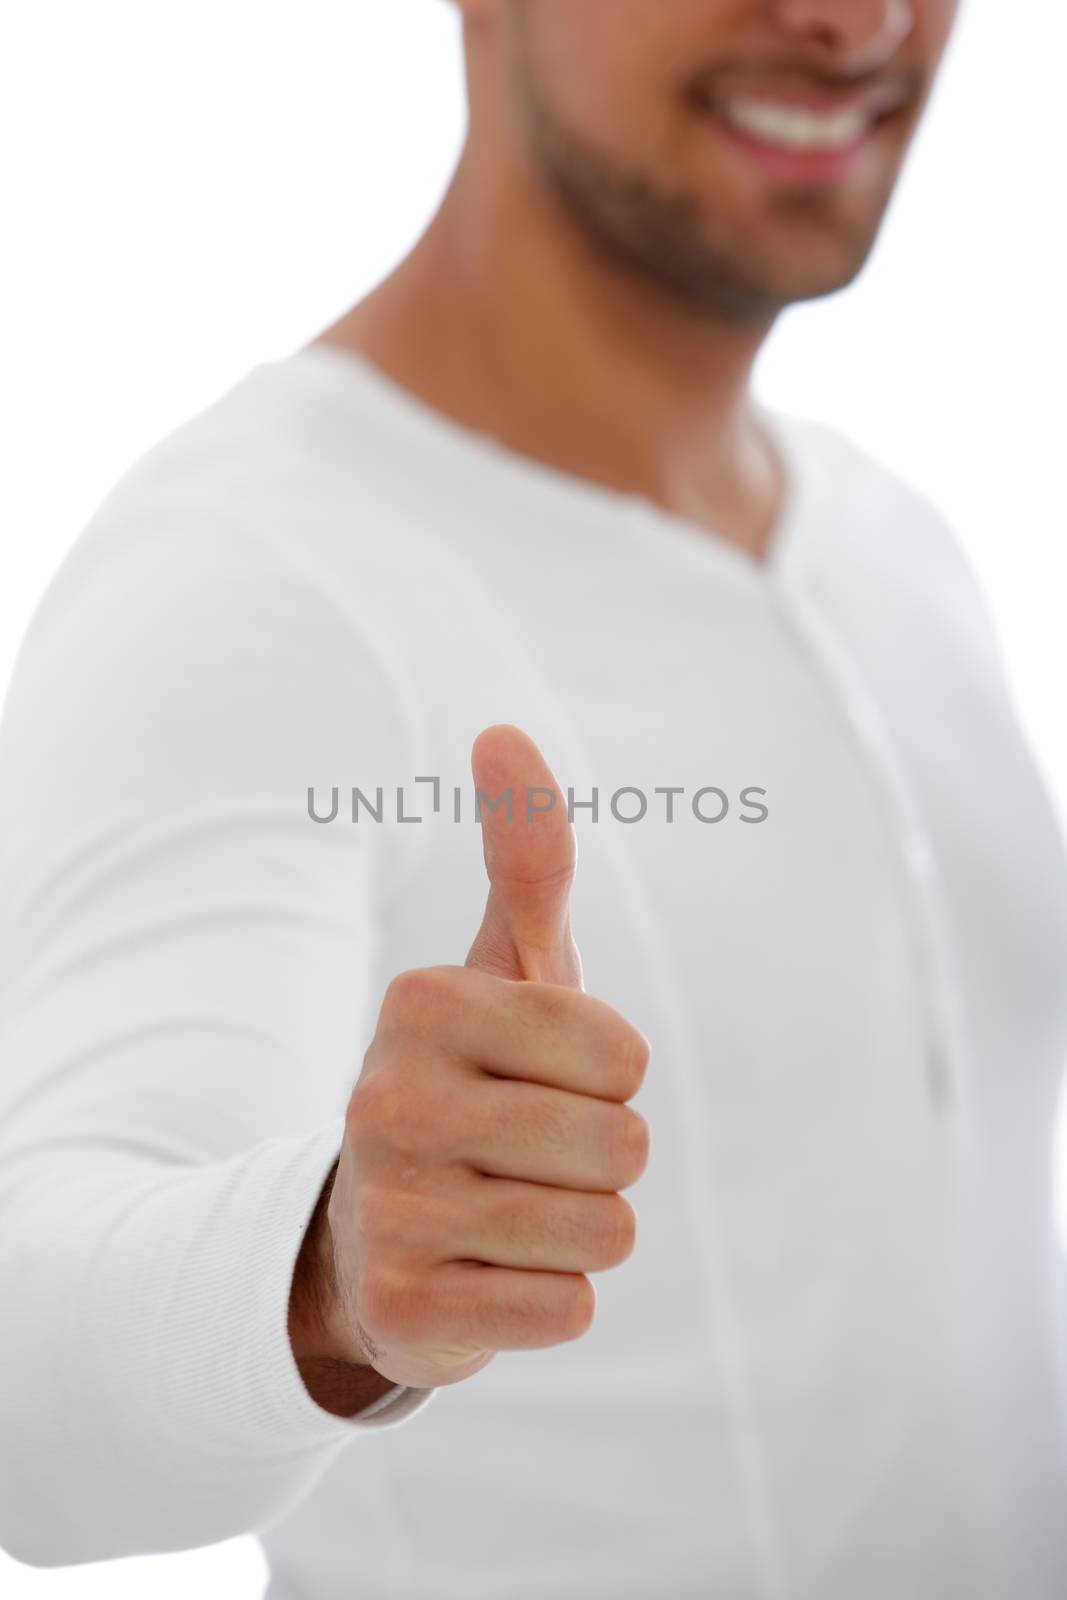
796,127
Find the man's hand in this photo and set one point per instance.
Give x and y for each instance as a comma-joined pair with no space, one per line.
488,1134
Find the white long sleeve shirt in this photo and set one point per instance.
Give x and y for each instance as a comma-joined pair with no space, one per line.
832,1367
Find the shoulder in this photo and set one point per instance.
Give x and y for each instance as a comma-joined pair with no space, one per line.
236,521
857,500
195,625
868,540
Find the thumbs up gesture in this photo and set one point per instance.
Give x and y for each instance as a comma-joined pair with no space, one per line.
488,1134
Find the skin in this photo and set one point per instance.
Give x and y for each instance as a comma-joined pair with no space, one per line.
605,239
486,1139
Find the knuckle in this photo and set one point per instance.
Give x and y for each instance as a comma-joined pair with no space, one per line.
375,1298
602,1227
624,1050
596,1231
621,1230
637,1055
531,1118
363,1109
547,1004
551,1126
395,1305
375,1217
578,1308
396,1111
517,1224
633,1139
570,1227
420,998
528,1309
530,1011
554,1307
373,1105
641,1142
630,1056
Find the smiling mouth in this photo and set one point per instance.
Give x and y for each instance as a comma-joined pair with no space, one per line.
792,123
793,127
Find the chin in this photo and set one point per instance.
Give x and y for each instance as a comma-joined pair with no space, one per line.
814,285
782,266
756,286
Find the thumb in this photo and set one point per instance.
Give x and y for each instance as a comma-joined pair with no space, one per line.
530,857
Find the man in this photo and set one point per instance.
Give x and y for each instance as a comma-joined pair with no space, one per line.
299,1214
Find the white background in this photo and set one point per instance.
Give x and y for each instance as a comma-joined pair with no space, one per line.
192,188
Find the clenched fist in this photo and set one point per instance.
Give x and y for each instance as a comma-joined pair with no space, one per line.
488,1135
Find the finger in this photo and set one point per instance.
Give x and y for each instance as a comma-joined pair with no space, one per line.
572,1141
540,1032
530,850
539,1228
503,1308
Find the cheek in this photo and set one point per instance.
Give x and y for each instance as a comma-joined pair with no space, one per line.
616,68
608,51
933,22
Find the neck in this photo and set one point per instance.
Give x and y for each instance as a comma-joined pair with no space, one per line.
508,320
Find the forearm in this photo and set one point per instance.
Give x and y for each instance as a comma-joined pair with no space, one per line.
149,1399
186,973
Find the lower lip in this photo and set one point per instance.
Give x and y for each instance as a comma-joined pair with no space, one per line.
801,166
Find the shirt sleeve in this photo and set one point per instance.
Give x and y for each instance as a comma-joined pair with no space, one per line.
189,976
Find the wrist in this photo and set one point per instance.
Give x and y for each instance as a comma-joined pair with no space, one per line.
318,1329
